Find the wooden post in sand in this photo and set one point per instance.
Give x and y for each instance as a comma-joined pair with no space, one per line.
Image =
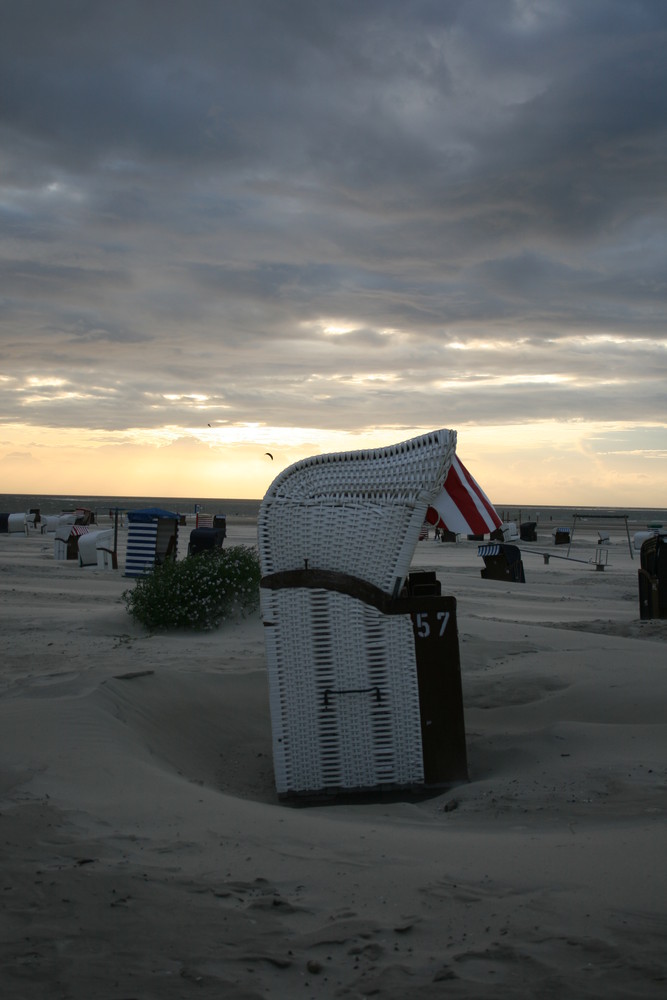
114,557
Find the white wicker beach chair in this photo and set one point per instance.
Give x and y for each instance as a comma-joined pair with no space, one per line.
337,534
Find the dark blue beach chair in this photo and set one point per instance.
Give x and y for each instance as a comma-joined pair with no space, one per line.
502,562
203,540
653,578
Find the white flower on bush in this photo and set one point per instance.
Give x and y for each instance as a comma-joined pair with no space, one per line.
198,592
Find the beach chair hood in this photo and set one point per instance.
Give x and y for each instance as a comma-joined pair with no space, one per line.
463,507
150,514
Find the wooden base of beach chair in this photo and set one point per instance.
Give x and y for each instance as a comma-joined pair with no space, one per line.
365,697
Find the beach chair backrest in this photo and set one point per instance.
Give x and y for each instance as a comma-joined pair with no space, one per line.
356,512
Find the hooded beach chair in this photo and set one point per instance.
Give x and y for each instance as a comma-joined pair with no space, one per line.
364,676
16,524
33,521
152,539
528,531
90,543
205,540
66,541
502,562
653,578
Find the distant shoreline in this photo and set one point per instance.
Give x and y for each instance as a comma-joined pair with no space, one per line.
244,512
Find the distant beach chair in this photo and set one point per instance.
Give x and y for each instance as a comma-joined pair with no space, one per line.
66,541
561,536
640,537
152,539
502,562
203,540
105,554
528,531
50,523
33,521
653,578
363,666
83,515
449,536
16,524
13,524
89,544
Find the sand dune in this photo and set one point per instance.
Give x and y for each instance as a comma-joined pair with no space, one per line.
144,852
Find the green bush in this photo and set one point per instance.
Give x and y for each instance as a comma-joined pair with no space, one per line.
198,592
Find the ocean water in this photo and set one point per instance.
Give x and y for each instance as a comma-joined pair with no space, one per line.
16,503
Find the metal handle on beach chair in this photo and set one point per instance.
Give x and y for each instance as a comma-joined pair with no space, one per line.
332,691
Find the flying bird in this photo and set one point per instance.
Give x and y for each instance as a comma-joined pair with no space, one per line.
269,454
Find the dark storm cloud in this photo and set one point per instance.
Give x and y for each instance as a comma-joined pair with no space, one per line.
200,192
28,277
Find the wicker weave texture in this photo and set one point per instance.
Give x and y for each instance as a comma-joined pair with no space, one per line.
343,686
356,512
343,693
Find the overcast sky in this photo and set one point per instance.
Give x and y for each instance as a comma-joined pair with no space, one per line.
312,224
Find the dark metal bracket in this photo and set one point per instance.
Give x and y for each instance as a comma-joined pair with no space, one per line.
331,691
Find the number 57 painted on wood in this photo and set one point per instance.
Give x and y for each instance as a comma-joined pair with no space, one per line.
423,629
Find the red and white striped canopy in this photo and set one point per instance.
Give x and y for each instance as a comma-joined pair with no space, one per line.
463,507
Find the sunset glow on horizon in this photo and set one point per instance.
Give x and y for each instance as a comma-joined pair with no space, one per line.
322,227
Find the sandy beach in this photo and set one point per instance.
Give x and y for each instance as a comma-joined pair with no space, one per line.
145,853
